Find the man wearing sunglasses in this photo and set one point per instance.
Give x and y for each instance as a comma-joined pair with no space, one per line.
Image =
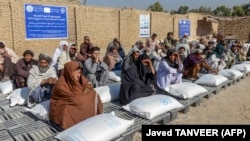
70,55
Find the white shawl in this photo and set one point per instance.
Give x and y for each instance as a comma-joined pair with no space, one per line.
36,77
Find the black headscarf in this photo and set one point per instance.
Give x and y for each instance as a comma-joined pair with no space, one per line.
166,58
136,82
142,70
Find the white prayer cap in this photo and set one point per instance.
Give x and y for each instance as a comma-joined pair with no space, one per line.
198,50
213,40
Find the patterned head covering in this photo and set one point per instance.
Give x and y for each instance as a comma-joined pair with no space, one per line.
45,57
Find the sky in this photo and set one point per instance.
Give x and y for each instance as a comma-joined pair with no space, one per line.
167,4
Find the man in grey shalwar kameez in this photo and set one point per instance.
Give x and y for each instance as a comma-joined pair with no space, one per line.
95,69
41,80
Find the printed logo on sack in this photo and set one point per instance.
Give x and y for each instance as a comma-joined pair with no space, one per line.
164,101
76,135
29,8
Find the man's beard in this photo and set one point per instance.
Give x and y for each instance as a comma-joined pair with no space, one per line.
135,59
71,55
43,69
27,62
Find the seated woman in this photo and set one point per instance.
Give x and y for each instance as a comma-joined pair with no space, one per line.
137,80
73,98
169,70
113,59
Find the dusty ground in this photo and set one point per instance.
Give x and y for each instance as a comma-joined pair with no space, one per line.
230,106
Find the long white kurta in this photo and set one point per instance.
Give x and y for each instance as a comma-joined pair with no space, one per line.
213,62
167,75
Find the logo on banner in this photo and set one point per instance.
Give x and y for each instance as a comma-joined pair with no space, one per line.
62,10
29,8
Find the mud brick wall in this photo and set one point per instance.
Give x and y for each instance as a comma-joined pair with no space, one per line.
236,26
162,23
6,24
100,23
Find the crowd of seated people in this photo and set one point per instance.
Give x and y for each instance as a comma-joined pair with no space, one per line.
69,77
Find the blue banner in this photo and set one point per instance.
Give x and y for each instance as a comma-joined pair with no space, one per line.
184,27
45,22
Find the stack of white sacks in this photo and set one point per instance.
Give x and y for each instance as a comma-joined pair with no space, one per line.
109,126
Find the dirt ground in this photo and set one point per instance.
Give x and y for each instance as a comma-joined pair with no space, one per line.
229,106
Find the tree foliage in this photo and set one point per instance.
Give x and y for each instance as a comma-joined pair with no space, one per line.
202,9
238,11
222,11
246,8
155,7
183,10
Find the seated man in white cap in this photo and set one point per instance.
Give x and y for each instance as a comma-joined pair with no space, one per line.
185,38
194,63
41,80
213,59
182,43
157,54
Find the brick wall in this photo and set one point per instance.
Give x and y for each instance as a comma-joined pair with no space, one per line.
46,46
237,26
129,27
162,23
178,17
6,24
101,24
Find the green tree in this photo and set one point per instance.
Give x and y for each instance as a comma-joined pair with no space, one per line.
183,9
222,11
173,12
156,7
238,11
202,9
246,8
